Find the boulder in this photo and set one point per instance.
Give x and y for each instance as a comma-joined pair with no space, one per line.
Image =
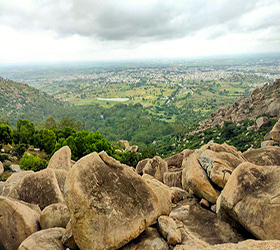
262,121
15,168
132,149
251,197
109,204
61,159
68,237
267,143
178,194
1,168
156,167
60,175
200,227
2,184
173,178
267,156
17,222
124,144
218,166
44,240
275,132
195,178
163,194
11,184
55,215
168,229
40,188
177,159
247,245
140,166
149,239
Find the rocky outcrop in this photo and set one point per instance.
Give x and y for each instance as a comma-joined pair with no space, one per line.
267,156
156,167
262,121
61,159
264,100
169,230
140,166
178,194
274,134
60,176
195,178
149,239
68,237
17,222
117,204
247,245
251,197
44,239
54,215
177,159
163,194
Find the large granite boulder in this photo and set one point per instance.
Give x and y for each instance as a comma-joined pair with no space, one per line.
173,178
17,221
156,167
60,175
275,132
218,166
163,194
267,156
44,240
140,166
109,203
177,159
169,230
148,240
262,121
251,197
40,188
61,159
55,215
195,178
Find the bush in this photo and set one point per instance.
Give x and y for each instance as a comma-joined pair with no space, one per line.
31,162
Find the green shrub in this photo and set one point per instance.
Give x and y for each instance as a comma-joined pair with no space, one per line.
31,162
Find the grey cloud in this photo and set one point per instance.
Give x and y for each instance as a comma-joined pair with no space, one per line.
134,20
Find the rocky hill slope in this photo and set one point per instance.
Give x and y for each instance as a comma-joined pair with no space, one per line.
18,100
264,100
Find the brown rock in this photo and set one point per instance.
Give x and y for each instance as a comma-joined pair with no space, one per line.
17,222
156,167
163,194
267,143
251,197
117,205
267,156
2,184
61,159
40,188
173,178
262,121
168,229
177,159
140,166
60,175
148,240
68,237
204,203
132,148
275,132
44,240
195,178
1,168
124,144
55,215
178,194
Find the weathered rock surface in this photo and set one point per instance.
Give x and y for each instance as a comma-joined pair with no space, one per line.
17,222
173,178
267,156
248,245
168,229
252,198
61,176
68,237
156,167
1,168
163,194
44,240
148,240
11,184
55,215
200,227
195,178
61,159
109,204
40,188
2,184
262,121
140,165
177,159
267,143
218,166
178,194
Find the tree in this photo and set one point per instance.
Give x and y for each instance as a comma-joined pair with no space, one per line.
25,132
50,123
45,139
5,134
31,162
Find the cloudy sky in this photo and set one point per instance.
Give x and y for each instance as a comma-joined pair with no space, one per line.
82,30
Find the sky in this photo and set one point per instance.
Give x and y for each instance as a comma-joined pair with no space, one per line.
105,30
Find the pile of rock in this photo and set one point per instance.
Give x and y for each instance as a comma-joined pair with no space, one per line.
211,198
273,137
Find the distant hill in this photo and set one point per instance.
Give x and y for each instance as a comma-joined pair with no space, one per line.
262,101
18,100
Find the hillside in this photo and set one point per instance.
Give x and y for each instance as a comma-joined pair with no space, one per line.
18,100
264,100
